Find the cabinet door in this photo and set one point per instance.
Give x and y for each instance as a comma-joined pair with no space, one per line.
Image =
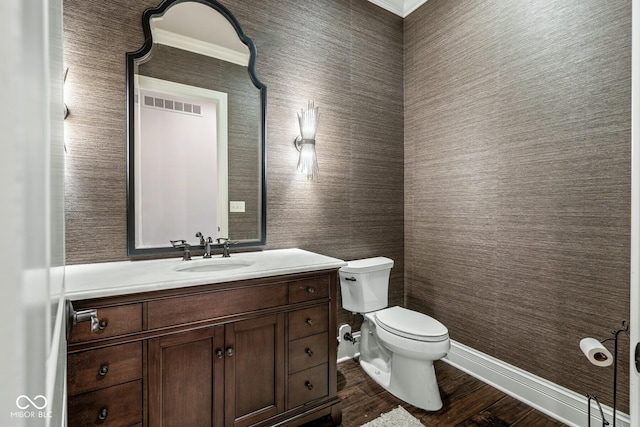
254,370
186,379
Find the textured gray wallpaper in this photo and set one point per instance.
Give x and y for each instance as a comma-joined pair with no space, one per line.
347,56
517,179
502,171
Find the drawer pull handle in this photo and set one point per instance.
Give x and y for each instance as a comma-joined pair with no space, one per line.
230,351
103,370
310,322
102,415
103,325
310,290
309,352
219,353
309,385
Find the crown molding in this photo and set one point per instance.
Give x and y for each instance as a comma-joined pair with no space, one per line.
401,8
179,41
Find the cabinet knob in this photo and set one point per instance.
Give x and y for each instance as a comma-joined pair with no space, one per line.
102,415
309,385
311,290
310,322
103,324
230,351
219,353
309,352
103,370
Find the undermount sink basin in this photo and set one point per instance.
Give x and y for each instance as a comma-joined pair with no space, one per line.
211,265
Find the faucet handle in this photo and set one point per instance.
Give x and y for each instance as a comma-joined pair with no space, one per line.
225,240
178,244
225,246
182,244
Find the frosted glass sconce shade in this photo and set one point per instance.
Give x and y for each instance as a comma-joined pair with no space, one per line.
306,142
64,80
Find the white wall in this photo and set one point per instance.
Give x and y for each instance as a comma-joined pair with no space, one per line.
31,213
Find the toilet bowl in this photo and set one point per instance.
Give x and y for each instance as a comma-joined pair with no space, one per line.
397,346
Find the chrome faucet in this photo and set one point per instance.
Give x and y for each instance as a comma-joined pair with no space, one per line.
182,244
206,243
207,247
225,246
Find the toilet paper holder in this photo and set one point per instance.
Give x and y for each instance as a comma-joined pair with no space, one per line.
616,334
591,397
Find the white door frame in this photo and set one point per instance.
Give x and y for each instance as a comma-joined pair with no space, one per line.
222,139
634,380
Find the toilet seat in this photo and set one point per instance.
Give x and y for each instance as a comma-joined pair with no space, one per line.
411,324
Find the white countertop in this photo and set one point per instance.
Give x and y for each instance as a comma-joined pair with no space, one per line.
98,280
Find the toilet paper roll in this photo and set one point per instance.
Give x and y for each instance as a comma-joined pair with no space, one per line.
596,352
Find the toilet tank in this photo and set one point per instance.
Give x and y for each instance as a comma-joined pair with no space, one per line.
364,284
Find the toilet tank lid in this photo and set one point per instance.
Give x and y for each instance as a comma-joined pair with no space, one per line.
367,265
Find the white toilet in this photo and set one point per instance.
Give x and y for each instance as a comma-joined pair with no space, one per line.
397,346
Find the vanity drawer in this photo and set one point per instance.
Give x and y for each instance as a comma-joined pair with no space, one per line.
120,320
307,352
308,289
193,308
308,385
308,321
115,406
94,369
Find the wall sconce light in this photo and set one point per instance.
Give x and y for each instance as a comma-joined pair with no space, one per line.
306,142
64,80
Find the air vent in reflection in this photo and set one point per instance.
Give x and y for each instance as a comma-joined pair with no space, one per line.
170,104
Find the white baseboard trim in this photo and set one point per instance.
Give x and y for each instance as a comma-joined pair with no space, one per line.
556,401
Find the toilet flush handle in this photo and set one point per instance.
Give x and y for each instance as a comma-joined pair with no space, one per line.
351,279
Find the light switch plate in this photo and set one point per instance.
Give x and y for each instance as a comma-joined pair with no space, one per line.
236,206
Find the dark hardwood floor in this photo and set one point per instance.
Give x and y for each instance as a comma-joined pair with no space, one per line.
468,402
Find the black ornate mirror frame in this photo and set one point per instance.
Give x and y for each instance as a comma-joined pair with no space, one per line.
132,251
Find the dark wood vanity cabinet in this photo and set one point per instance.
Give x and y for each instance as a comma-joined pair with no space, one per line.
260,352
229,374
